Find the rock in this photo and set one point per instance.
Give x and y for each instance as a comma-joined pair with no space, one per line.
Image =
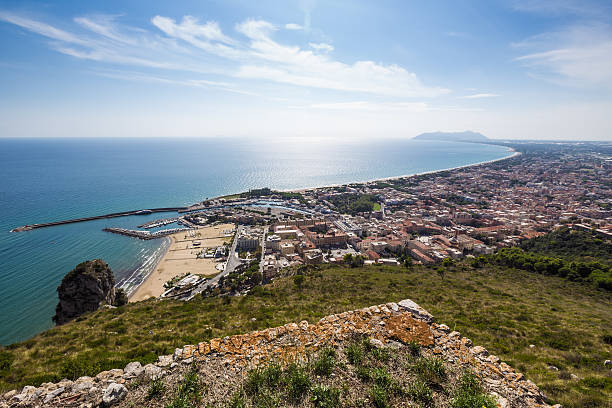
84,289
552,368
152,371
10,394
479,350
501,401
177,354
394,345
164,361
444,328
50,396
133,370
416,310
187,360
531,345
82,386
574,376
376,343
114,394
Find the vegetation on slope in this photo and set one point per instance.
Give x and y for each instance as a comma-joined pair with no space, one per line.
572,245
353,203
354,373
506,310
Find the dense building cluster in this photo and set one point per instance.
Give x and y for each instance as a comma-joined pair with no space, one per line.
427,218
450,214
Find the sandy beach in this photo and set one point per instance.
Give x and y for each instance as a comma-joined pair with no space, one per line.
181,258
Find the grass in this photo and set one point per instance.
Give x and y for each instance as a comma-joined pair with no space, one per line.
189,392
502,309
388,383
469,394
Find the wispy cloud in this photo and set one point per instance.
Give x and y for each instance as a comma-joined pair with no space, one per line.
480,96
203,48
372,106
578,56
293,26
324,47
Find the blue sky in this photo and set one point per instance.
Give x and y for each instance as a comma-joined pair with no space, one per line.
351,69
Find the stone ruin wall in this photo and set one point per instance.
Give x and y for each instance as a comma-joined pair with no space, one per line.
390,323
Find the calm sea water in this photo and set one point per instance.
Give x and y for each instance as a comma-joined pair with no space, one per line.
53,179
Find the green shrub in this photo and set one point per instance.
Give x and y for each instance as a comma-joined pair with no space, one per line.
236,401
325,363
430,369
189,392
354,353
379,396
419,391
325,397
469,394
157,389
297,382
6,360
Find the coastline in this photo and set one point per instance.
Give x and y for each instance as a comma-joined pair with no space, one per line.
131,290
465,166
146,280
181,250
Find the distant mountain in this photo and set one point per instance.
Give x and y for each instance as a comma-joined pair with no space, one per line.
467,136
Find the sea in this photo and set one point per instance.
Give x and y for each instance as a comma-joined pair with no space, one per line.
43,179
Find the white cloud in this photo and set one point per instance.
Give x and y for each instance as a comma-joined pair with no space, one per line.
202,47
258,30
480,96
293,26
324,47
372,106
40,28
578,56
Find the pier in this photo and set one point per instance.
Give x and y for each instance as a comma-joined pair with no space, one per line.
158,223
97,217
146,235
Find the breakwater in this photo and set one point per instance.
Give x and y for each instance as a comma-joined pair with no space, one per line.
158,223
146,235
97,217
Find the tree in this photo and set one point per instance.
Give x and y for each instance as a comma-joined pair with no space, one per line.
120,297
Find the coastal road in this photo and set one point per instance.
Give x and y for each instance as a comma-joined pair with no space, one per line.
232,263
263,249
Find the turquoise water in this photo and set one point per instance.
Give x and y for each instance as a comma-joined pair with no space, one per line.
53,179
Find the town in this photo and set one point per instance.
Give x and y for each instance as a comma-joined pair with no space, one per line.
422,219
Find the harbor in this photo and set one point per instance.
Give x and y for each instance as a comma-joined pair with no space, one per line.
30,227
146,235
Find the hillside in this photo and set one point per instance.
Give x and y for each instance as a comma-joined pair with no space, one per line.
467,136
568,323
572,245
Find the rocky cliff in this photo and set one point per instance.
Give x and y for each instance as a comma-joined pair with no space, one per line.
84,289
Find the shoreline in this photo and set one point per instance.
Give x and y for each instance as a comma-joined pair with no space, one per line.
151,269
149,287
165,254
465,166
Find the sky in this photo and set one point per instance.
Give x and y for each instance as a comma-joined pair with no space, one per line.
510,69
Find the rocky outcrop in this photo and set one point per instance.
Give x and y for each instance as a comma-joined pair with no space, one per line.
84,289
388,325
